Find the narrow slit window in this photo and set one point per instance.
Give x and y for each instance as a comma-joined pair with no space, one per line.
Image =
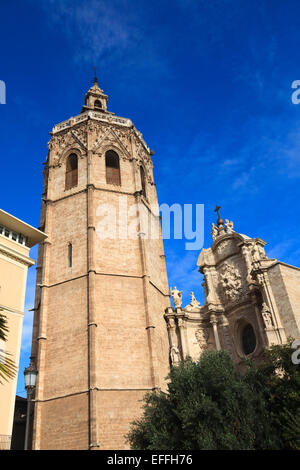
70,255
143,181
112,163
72,171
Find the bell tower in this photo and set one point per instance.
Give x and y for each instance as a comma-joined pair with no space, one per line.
99,338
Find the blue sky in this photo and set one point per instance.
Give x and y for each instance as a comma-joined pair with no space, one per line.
208,83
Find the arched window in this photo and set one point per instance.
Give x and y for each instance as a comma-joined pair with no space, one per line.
97,104
112,164
72,171
143,181
248,339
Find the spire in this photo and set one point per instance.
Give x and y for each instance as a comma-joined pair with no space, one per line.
95,99
95,77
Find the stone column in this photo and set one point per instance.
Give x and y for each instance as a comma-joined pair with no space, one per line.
269,299
226,334
214,322
171,326
182,333
211,294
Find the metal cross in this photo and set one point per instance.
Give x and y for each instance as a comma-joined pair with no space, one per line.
217,210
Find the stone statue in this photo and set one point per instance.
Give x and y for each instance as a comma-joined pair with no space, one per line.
214,231
228,226
176,296
266,314
175,355
194,302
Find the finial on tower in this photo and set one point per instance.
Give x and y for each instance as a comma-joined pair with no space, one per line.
220,228
95,77
95,99
219,221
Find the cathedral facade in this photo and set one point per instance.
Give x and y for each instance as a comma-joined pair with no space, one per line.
104,331
251,301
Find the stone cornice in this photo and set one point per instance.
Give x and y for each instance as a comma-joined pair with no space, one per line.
10,310
15,256
283,264
102,117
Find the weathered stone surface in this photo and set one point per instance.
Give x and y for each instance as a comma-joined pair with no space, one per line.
100,339
251,301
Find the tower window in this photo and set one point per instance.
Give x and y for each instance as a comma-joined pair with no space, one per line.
97,104
70,255
72,171
143,181
112,163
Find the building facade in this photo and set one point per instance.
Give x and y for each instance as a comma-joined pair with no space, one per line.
251,301
16,239
104,331
99,341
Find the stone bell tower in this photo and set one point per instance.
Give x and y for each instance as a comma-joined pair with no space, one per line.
99,340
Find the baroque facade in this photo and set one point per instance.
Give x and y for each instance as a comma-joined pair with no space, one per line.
251,301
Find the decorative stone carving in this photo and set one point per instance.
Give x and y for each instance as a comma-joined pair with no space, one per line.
176,296
171,323
58,145
255,253
220,229
174,355
214,231
228,226
267,316
80,137
231,282
111,137
202,335
194,304
224,247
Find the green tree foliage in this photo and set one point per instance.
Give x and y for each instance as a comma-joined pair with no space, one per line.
7,366
210,405
279,379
